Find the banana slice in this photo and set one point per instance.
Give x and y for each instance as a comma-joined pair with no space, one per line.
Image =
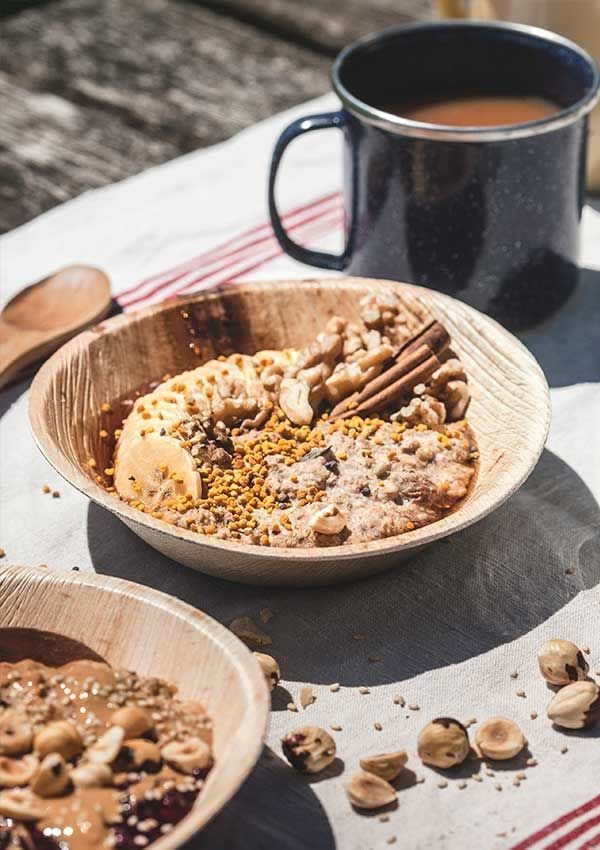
15,772
21,804
153,468
187,756
151,463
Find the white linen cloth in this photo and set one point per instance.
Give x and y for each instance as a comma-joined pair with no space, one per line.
449,626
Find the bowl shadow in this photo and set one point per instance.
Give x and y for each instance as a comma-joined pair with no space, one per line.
276,807
541,548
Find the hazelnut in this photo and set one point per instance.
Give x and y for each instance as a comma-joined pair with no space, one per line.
58,737
91,775
15,734
443,743
561,662
51,778
576,705
367,791
107,747
328,520
309,749
139,754
387,765
499,738
269,667
189,756
133,720
21,804
15,772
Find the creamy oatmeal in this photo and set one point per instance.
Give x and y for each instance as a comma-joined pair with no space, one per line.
92,757
360,435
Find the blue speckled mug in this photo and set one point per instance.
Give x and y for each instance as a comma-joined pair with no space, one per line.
491,214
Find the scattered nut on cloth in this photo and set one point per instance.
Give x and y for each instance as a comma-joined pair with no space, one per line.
451,625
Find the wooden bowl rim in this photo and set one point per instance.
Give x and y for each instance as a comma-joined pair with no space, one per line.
256,717
456,521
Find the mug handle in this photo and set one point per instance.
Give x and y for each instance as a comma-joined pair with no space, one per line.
320,259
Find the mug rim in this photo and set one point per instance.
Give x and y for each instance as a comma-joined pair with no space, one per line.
454,133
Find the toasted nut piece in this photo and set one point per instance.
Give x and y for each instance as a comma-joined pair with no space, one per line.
187,756
294,401
107,747
58,737
133,720
249,632
309,749
91,775
328,520
15,734
21,804
140,754
576,705
52,777
499,738
368,791
443,743
456,398
561,662
269,667
15,772
386,765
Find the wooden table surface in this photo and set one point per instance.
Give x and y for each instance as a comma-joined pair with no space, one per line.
93,91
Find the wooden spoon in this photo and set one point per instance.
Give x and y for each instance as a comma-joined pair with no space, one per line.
44,315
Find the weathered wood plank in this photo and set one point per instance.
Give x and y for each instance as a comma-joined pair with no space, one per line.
96,90
325,24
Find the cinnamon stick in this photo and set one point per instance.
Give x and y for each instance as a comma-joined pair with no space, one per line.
405,363
433,334
396,390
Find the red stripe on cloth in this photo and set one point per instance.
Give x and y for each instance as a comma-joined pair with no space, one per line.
242,240
325,225
568,837
231,270
593,842
557,824
179,283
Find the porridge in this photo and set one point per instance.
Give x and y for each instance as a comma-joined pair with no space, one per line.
358,436
92,757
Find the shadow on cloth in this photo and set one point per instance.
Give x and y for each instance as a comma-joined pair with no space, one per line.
275,807
463,596
567,343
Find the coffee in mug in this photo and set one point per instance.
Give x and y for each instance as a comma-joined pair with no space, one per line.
488,213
